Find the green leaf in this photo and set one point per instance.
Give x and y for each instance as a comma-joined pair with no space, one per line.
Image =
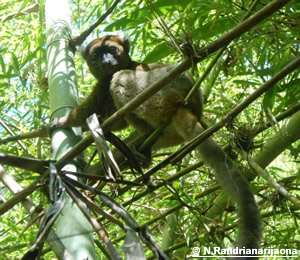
159,52
293,83
212,29
144,14
269,99
15,63
2,63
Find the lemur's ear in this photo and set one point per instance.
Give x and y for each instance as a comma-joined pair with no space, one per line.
125,41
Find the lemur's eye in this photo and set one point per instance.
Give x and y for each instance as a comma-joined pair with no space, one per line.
113,49
94,56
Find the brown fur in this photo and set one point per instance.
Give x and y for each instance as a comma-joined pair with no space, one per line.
158,109
185,125
100,100
120,79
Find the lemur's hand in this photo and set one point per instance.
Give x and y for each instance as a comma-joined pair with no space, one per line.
59,122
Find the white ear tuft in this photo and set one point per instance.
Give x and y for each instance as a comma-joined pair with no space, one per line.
123,37
125,41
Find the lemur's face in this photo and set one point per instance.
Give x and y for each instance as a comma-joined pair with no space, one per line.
107,55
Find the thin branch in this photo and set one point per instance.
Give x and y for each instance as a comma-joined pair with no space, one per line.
164,25
53,240
234,112
5,126
42,132
90,204
96,225
159,185
231,227
27,10
279,118
28,164
19,196
208,69
280,189
163,215
81,38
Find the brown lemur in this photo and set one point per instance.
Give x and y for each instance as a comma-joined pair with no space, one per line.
119,79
